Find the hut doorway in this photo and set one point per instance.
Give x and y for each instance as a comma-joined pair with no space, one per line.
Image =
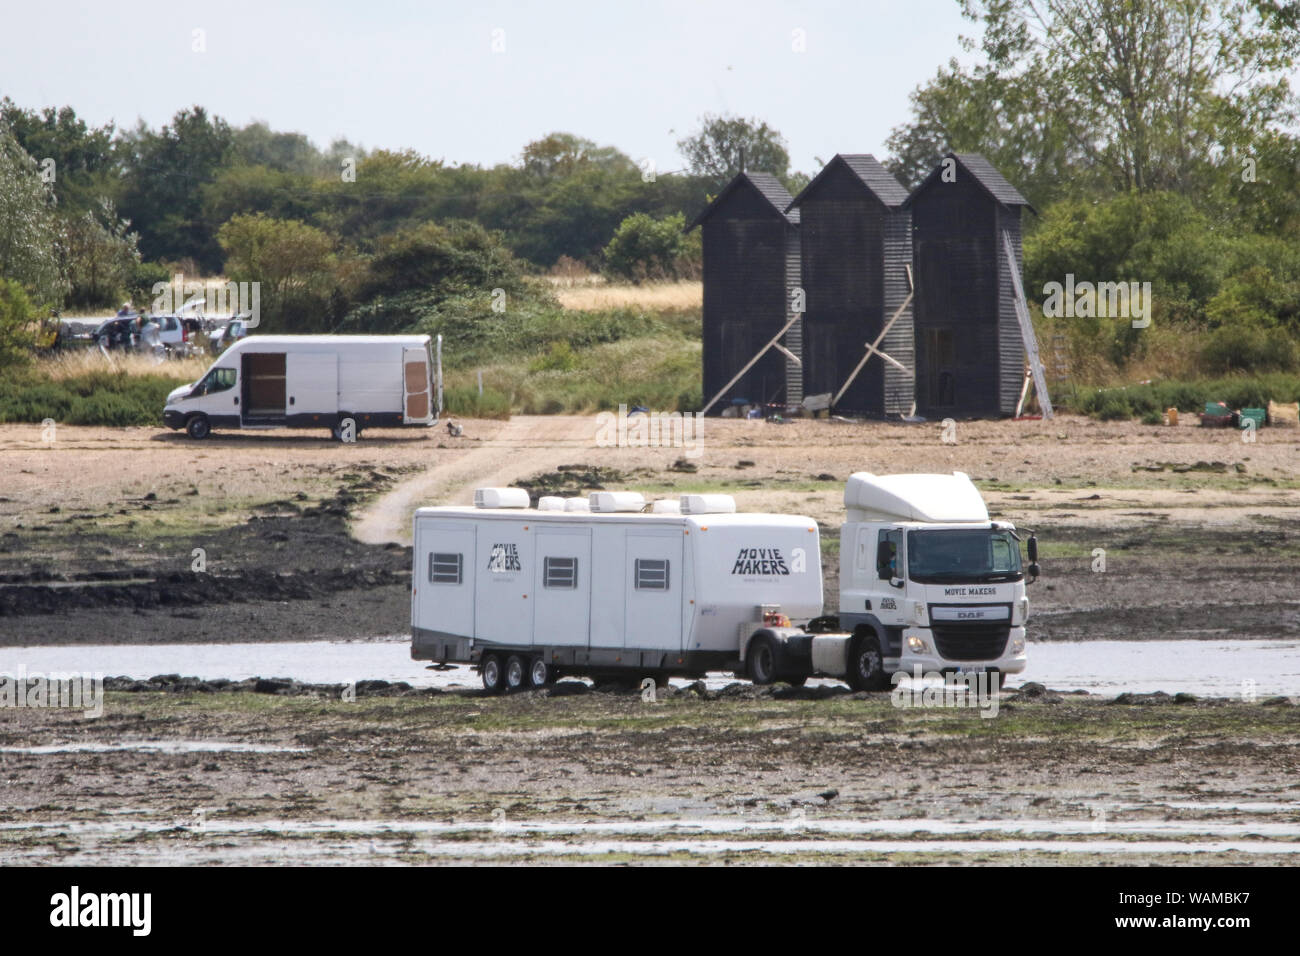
940,375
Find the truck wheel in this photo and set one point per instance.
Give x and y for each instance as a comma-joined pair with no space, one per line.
493,679
540,673
515,673
760,662
866,666
198,427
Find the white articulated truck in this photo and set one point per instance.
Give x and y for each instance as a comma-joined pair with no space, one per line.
627,590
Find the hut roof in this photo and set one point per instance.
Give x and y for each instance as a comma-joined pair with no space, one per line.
765,184
876,178
983,172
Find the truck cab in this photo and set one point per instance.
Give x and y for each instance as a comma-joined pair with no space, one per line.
928,580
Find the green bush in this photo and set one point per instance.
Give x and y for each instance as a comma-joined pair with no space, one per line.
95,398
467,402
1113,404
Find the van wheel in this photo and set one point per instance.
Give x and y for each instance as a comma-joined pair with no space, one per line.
493,679
515,673
760,662
198,427
866,665
540,673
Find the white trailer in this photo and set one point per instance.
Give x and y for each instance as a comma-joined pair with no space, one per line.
340,382
528,594
640,591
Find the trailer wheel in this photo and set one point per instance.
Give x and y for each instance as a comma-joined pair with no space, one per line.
540,673
493,679
515,673
760,661
198,427
796,681
866,666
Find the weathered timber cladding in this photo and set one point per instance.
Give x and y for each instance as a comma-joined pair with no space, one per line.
969,354
856,245
751,265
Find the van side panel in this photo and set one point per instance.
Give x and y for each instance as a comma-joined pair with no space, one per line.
370,381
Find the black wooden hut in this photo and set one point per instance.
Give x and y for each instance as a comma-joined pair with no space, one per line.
970,356
751,267
856,242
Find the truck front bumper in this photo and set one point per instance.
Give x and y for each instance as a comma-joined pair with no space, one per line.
174,418
928,658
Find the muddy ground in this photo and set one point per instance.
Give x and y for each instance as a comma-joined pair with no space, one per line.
303,538
423,776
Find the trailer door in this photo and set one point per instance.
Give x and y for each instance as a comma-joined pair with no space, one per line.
311,385
562,611
654,581
417,403
443,584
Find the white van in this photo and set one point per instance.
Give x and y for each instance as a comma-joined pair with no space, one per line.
341,382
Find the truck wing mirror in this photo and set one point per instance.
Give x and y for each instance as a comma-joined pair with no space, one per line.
896,582
1033,548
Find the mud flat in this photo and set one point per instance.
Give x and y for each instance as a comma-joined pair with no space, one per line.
277,772
305,539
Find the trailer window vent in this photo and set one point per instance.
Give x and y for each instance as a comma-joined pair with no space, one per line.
500,498
560,573
651,574
445,568
606,502
708,505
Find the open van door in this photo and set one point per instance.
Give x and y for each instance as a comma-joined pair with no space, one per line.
417,400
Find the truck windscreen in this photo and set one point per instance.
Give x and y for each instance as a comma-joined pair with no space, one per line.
961,556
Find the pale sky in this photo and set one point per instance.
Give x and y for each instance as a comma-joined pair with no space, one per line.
387,74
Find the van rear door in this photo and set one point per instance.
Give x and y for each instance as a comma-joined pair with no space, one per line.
312,386
416,399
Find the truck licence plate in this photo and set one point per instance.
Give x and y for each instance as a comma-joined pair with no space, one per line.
971,669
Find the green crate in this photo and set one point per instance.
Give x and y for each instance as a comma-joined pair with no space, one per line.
1256,414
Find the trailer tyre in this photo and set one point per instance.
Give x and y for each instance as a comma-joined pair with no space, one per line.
540,673
516,672
760,661
198,427
493,677
866,665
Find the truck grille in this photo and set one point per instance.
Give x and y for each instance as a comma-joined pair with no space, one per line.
971,642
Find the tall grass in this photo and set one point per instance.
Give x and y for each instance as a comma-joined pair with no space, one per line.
595,295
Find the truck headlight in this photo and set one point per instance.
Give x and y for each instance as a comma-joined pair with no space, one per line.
1017,646
917,646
